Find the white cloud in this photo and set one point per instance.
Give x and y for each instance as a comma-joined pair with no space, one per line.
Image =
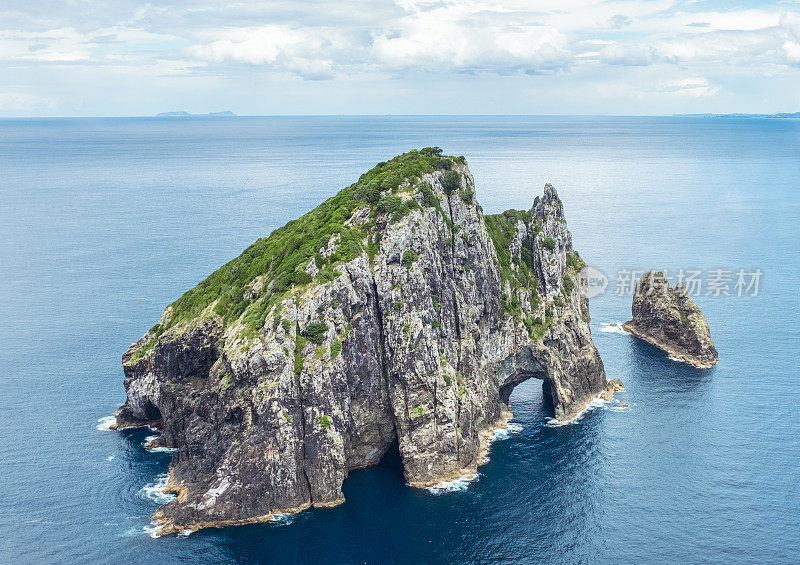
688,87
656,47
310,53
326,39
16,101
254,46
619,21
627,54
790,23
470,38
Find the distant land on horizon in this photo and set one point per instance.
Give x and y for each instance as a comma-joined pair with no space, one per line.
182,114
783,115
779,115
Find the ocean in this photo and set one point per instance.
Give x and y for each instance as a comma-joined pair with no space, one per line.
106,221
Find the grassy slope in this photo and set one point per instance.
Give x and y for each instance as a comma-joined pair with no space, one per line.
278,262
519,273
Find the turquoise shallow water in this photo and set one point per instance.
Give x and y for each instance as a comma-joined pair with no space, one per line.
105,221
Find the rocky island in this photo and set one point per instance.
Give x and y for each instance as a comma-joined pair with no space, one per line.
668,318
394,314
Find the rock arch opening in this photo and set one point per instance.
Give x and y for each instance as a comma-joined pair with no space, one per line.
520,368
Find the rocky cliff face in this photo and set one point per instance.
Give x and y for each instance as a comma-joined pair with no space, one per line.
667,318
394,312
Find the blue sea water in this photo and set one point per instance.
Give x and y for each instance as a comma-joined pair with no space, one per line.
106,221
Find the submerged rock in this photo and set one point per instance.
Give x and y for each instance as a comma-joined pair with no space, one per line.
393,313
667,318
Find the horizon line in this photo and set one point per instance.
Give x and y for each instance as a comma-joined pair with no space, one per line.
389,115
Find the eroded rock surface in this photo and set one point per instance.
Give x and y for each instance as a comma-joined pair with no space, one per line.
668,318
394,312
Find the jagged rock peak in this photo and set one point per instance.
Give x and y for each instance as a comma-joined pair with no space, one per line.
549,205
550,193
394,313
668,318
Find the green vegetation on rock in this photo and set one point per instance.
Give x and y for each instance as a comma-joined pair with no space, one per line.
451,182
395,206
328,274
249,286
299,344
536,327
518,273
315,332
429,198
568,284
574,260
409,257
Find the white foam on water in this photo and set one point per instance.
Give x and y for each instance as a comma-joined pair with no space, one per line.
283,519
618,408
161,449
154,531
460,484
609,328
514,428
155,491
151,530
671,358
135,531
613,405
498,435
110,458
104,424
596,403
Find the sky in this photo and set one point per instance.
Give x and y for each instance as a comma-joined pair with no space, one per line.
652,57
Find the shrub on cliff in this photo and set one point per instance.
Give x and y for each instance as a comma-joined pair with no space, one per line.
575,261
429,199
409,257
368,192
315,332
451,181
569,284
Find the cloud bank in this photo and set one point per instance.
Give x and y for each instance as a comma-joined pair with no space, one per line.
675,49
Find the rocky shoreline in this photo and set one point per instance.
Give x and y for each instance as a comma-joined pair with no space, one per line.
674,353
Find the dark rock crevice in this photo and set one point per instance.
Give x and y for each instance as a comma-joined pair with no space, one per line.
301,411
